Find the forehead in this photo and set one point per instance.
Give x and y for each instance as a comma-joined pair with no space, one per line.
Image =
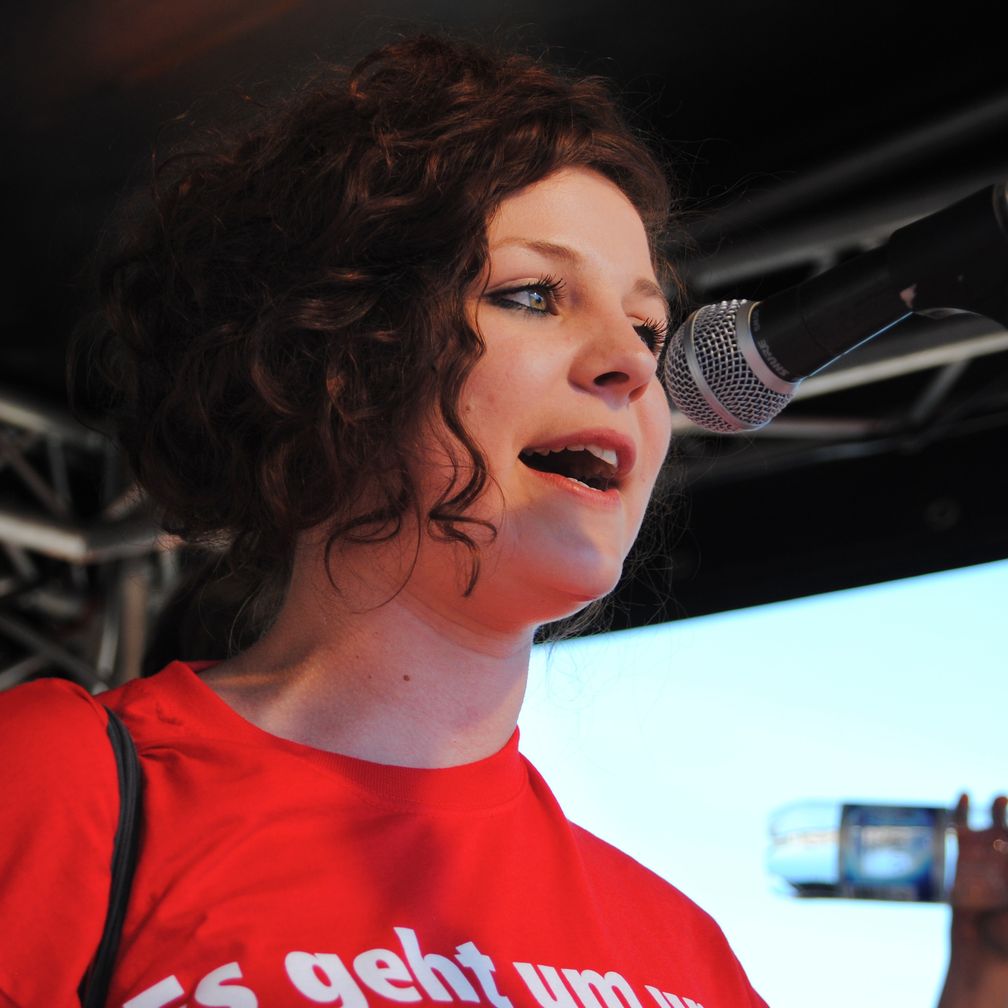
581,210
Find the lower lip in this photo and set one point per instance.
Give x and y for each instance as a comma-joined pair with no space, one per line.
607,499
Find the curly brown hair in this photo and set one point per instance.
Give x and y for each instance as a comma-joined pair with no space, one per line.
291,305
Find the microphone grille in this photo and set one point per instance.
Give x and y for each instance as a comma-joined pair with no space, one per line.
718,390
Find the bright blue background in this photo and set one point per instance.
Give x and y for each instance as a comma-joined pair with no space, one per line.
677,742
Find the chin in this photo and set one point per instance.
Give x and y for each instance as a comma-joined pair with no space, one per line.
563,596
538,581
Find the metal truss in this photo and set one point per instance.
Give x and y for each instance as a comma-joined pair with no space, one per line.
83,566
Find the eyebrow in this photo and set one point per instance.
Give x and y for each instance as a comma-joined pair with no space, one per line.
643,285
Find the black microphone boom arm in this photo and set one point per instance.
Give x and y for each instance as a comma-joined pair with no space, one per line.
734,365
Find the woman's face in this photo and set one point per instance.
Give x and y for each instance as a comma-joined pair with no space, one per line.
573,320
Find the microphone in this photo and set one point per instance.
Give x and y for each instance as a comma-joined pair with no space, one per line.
734,365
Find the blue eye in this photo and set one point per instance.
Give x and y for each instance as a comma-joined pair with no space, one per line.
539,298
530,297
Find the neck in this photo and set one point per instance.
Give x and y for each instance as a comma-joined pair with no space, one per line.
400,682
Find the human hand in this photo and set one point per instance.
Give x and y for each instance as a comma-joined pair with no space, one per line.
980,892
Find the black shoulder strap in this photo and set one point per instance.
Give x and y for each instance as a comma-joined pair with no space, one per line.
94,987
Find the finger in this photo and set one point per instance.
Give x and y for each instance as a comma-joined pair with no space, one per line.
998,808
960,814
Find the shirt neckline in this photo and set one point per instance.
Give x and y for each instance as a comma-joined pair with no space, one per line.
483,784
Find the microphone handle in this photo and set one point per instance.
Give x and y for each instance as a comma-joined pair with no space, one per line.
817,321
956,259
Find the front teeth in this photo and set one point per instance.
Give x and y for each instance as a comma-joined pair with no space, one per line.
607,455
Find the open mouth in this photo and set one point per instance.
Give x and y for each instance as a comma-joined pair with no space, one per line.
589,465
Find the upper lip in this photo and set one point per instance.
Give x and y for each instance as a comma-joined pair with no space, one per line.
626,451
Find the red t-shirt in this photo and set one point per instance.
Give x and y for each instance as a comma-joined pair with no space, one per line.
273,874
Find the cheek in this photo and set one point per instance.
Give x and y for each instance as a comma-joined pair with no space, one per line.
484,415
657,432
500,397
488,413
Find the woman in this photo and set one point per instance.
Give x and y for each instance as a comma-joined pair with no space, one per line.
398,345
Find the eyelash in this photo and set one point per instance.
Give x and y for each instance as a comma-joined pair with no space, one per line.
654,334
651,331
549,286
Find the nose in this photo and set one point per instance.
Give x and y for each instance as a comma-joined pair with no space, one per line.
614,362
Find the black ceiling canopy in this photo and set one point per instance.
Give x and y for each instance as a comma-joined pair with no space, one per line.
800,135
